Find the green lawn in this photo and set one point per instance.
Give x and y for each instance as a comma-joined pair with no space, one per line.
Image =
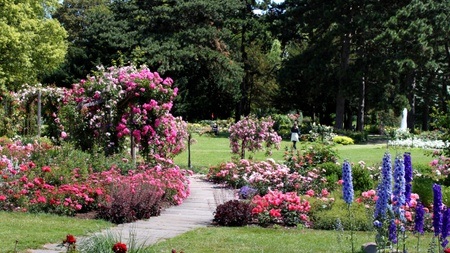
31,231
211,150
273,240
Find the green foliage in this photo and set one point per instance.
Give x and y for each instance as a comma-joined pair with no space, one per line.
358,137
326,218
344,140
362,178
103,242
310,155
442,122
31,43
423,186
332,172
233,213
282,125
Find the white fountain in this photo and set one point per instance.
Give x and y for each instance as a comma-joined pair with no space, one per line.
403,124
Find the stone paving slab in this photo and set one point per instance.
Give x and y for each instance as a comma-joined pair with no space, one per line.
196,211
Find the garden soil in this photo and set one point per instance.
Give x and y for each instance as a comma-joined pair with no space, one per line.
196,211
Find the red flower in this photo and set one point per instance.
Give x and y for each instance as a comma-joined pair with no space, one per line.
119,248
46,169
447,250
70,239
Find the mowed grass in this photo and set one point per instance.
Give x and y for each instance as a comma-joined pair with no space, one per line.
210,151
32,231
253,239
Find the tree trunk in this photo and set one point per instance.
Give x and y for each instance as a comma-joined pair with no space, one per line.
361,106
427,102
340,99
243,108
411,84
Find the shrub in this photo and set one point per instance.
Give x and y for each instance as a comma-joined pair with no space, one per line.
344,140
281,208
310,156
423,186
233,213
325,218
253,134
282,125
130,201
362,179
357,136
332,172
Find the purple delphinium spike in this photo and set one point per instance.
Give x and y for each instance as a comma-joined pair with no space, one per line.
445,226
419,219
408,176
437,206
384,189
399,189
393,231
347,185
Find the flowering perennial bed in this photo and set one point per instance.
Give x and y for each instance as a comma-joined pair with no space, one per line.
24,186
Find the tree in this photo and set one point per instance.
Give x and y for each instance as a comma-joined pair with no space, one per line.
31,42
95,38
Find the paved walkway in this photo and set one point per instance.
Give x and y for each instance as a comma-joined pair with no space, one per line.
196,211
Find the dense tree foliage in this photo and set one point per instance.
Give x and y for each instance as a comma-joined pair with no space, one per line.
31,42
341,62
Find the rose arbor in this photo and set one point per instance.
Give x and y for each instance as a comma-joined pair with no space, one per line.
134,102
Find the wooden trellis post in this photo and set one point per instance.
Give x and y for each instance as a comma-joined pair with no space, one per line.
39,114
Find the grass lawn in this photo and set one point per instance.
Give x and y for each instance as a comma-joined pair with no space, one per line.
31,231
256,239
213,150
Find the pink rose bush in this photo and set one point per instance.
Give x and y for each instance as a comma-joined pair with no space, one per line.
440,167
24,186
130,102
265,175
252,134
277,207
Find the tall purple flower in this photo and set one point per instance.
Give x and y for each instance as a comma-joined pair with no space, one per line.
384,188
419,219
445,226
393,231
437,206
399,189
347,185
408,176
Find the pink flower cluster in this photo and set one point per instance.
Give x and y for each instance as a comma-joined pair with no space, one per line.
286,208
29,187
441,166
264,175
369,198
252,134
140,101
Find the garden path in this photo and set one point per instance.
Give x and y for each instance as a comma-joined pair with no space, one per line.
196,211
